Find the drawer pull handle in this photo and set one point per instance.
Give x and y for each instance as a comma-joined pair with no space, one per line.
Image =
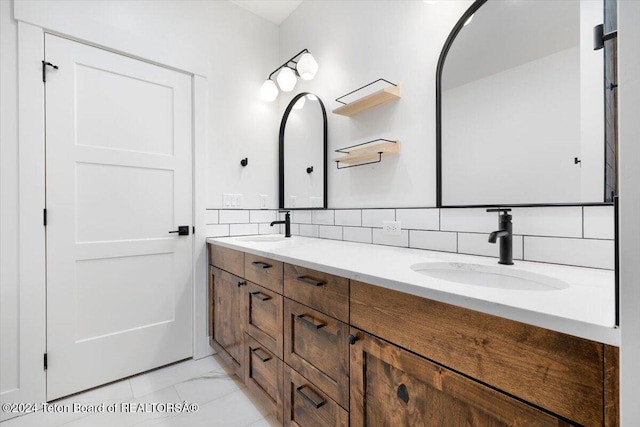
261,296
261,264
311,321
261,357
310,281
314,399
242,283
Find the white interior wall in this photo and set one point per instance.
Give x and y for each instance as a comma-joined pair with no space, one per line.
629,157
356,42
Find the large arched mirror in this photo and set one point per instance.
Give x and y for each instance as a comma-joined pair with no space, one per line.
521,106
303,154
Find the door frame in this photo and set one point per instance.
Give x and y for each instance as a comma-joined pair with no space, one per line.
32,236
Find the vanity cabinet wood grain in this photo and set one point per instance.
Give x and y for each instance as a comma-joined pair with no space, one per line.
228,308
393,387
316,345
263,373
561,373
306,405
264,317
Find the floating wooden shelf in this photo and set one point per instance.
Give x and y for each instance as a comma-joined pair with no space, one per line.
375,99
367,153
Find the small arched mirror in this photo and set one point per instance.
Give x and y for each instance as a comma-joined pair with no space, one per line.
303,154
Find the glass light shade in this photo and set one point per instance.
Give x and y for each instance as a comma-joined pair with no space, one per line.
307,67
299,104
468,20
269,91
312,97
286,79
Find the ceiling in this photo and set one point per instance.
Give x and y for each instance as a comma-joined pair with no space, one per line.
271,10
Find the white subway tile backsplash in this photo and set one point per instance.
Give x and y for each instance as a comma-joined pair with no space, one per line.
233,216
433,240
561,221
478,244
357,234
268,229
243,229
581,252
324,217
295,229
351,217
375,217
211,216
308,230
330,232
419,219
262,216
301,217
599,222
379,238
476,220
217,230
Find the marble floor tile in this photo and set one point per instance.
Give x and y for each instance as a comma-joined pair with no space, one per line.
137,412
161,378
270,421
233,410
208,387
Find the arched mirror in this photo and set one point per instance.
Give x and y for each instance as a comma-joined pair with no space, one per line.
303,154
521,106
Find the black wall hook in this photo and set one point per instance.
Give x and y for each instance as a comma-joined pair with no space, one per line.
310,169
244,162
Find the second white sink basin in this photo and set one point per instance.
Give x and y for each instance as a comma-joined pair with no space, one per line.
503,277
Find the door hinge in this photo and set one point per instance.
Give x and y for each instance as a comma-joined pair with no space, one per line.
44,217
46,64
46,365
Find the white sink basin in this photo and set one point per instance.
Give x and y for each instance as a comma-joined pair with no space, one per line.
502,277
264,238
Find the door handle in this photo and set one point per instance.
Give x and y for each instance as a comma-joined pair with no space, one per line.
182,230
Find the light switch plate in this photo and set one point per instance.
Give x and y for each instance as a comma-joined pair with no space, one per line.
391,228
263,201
227,200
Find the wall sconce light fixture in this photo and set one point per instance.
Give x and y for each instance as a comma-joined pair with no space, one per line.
301,65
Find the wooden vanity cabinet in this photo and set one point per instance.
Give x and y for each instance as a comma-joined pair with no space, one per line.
227,309
393,387
263,372
306,405
316,345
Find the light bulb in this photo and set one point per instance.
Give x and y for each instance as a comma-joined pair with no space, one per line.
286,79
299,104
269,90
307,67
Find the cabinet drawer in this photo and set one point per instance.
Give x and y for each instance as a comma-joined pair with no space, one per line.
555,371
264,317
316,345
263,271
393,387
227,259
264,375
324,292
306,405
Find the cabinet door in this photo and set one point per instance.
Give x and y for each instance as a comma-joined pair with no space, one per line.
393,387
263,373
228,317
316,346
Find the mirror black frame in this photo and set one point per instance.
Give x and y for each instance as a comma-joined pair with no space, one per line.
441,60
283,125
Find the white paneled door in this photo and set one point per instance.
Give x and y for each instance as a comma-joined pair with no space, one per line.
118,180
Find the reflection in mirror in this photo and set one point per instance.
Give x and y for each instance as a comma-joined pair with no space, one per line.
522,105
303,154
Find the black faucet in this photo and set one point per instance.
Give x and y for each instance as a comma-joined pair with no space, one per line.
505,233
286,222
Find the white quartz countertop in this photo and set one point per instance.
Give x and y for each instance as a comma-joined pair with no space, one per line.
585,308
